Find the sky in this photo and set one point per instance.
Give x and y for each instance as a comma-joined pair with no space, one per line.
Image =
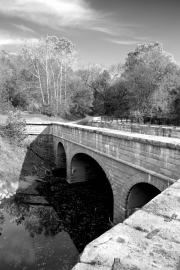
104,31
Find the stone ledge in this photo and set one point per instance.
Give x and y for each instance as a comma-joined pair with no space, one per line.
84,266
149,239
171,143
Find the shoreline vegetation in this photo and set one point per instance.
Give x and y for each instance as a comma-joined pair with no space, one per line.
12,156
48,78
11,160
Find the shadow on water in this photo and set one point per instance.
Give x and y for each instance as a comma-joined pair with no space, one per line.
48,222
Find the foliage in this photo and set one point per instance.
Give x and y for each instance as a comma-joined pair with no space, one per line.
98,81
117,99
44,77
80,98
49,63
15,128
12,85
89,75
148,72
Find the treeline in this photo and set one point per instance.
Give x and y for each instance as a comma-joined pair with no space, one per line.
47,77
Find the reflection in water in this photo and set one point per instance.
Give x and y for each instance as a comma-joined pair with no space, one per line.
46,226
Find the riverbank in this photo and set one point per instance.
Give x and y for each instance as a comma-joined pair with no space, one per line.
11,160
12,156
32,118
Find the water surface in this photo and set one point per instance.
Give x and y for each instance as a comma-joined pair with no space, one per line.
47,225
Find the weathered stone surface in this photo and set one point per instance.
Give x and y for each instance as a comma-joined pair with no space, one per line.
83,266
147,222
132,248
166,205
175,185
149,239
137,128
126,158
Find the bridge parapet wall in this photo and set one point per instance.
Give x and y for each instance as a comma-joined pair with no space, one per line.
156,130
37,128
150,154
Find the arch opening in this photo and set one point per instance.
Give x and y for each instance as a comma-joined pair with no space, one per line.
139,195
60,162
86,169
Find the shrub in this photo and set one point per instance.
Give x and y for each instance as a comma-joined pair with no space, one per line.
15,127
33,108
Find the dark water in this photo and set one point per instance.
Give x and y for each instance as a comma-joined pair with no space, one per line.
46,226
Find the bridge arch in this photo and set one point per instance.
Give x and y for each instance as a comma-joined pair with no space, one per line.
86,167
60,161
61,156
138,191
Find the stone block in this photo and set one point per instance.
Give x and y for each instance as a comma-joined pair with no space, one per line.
134,250
83,266
168,229
164,205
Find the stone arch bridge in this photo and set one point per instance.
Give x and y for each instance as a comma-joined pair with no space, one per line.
134,167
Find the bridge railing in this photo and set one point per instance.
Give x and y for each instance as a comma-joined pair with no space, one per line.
147,120
130,125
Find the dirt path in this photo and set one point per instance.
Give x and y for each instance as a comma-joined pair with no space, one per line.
33,118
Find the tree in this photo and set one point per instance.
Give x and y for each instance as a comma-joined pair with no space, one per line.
11,87
148,73
117,101
100,87
49,62
80,96
89,76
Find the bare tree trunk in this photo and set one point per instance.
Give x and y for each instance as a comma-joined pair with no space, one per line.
54,85
40,84
65,83
47,80
60,88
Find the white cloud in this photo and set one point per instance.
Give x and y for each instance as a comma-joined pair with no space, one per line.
143,38
7,40
53,13
64,13
24,28
123,42
114,31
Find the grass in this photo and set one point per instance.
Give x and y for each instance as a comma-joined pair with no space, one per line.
12,156
2,119
11,160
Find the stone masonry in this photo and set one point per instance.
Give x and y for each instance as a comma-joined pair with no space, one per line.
126,158
149,239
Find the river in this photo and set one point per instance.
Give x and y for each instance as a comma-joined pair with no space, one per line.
47,225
